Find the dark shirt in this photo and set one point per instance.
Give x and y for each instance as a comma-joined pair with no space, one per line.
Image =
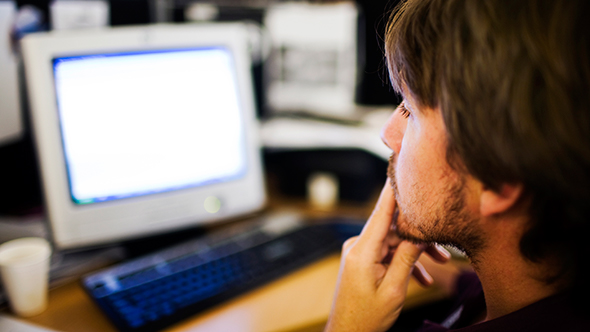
554,313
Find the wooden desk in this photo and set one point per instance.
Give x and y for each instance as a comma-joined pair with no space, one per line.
300,301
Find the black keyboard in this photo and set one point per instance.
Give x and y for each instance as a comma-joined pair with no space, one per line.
157,290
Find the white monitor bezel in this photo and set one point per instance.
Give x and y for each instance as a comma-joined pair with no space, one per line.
74,225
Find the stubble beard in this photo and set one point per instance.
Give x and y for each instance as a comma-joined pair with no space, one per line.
448,224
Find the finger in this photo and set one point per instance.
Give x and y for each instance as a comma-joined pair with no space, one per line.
422,275
348,244
378,226
392,239
402,264
438,253
389,245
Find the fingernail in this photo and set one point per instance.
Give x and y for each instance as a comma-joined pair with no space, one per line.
443,251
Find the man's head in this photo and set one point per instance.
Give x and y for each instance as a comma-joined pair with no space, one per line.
510,84
432,198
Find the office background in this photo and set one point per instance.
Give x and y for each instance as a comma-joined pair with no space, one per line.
358,170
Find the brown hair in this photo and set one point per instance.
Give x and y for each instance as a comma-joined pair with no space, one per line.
512,80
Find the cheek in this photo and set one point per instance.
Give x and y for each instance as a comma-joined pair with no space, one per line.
405,169
414,170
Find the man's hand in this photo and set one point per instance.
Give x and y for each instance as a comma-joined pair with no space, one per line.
375,271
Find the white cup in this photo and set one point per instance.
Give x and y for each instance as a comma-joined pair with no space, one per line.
322,190
24,267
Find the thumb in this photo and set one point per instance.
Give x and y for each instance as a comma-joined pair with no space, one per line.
402,264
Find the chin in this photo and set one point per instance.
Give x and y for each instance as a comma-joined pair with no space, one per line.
406,231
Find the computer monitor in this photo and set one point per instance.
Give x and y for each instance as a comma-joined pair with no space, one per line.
143,130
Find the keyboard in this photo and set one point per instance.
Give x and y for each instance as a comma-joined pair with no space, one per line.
157,290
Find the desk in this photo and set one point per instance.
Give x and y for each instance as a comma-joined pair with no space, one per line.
300,301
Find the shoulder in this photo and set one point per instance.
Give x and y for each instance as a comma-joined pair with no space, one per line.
555,313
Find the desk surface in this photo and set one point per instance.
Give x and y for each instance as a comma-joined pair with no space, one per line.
300,301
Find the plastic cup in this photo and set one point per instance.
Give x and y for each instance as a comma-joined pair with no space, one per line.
24,267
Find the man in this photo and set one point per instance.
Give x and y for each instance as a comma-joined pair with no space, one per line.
491,154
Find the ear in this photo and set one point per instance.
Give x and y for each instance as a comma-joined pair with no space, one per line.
496,202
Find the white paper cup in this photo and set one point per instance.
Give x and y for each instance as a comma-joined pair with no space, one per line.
24,267
322,190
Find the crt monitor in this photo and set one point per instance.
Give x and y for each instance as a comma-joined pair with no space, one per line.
143,130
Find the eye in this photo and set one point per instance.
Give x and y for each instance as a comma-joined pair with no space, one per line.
403,110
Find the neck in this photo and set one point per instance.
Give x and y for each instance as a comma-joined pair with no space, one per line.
507,289
510,282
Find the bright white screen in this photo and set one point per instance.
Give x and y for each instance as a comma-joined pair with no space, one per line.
140,123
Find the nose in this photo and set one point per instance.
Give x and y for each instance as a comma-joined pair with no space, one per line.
393,132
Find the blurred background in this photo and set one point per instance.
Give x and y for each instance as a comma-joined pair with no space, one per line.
321,85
